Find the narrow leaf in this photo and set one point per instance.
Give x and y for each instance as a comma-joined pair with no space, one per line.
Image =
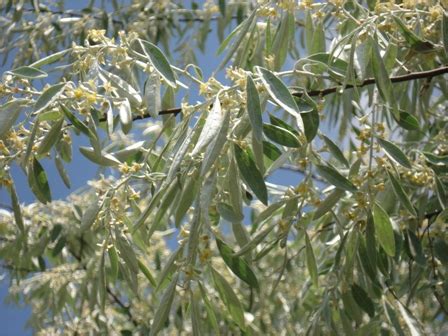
211,127
334,149
384,230
250,173
311,261
363,300
335,178
401,194
51,138
238,265
48,97
280,93
159,61
229,298
164,308
281,136
254,109
395,153
125,114
38,181
9,113
28,72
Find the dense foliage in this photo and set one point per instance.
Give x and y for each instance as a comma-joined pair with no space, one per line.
184,231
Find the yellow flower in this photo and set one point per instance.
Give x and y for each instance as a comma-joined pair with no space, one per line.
96,35
79,93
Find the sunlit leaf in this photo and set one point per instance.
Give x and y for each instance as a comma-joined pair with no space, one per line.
159,61
28,72
281,136
48,97
384,230
395,153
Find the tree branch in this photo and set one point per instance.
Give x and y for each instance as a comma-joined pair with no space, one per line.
396,79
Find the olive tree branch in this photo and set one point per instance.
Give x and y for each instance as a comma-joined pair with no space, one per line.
324,92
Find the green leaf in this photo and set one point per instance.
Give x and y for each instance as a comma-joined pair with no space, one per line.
401,194
280,123
240,33
104,159
38,181
254,109
238,265
62,172
50,59
250,173
9,113
145,270
281,136
441,250
436,159
195,315
51,138
445,32
228,213
48,97
363,300
159,61
113,258
124,89
127,253
80,126
383,229
311,261
280,93
334,149
271,151
50,115
59,246
89,216
28,72
395,153
382,79
329,203
16,208
441,192
164,308
408,122
229,298
210,311
416,42
311,122
335,178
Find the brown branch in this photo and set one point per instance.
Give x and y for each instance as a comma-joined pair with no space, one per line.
396,79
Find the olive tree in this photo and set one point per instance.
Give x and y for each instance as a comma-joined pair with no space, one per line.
300,189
